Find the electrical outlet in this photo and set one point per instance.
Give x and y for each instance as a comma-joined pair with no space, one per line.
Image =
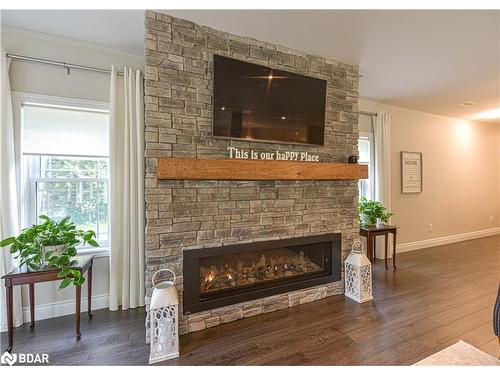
430,227
491,220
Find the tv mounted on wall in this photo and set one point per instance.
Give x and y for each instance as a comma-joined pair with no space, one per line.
258,103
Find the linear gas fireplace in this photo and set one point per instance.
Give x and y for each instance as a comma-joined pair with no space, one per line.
226,275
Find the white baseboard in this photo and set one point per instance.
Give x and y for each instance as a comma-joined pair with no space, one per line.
61,308
417,245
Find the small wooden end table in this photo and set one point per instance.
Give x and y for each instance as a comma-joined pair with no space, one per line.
22,276
371,233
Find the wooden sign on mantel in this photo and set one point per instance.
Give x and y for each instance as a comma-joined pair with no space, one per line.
256,170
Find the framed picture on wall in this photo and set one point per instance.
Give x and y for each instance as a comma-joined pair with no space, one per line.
411,172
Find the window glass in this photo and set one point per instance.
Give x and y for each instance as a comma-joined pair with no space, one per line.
73,167
75,187
365,148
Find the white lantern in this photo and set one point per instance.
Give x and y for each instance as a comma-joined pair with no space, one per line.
163,315
358,275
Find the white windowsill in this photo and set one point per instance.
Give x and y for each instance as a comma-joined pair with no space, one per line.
98,252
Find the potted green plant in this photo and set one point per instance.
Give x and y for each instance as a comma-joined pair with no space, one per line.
51,244
370,211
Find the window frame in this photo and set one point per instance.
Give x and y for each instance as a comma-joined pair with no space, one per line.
32,206
371,165
27,193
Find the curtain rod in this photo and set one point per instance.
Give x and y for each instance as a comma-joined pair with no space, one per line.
367,113
62,64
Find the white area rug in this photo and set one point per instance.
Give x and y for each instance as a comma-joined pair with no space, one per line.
459,354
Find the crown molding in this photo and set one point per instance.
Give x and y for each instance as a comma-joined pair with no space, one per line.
67,41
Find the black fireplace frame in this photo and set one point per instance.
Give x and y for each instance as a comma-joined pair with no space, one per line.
192,302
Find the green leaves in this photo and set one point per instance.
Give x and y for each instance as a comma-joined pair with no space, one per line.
66,282
7,241
88,237
64,272
71,276
370,211
63,260
71,251
93,243
30,246
79,281
53,261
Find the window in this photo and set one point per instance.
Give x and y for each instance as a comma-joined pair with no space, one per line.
365,188
65,162
367,156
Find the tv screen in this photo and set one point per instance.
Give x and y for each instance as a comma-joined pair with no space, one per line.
254,102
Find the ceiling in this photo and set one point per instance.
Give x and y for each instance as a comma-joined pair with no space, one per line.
119,30
425,60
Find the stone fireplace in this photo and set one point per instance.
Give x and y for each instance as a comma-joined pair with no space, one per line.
187,219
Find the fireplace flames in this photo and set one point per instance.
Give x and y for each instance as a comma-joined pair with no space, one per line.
214,277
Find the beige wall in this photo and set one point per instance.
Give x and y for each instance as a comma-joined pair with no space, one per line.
49,80
461,174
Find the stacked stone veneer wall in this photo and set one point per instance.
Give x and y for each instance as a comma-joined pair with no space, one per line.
193,214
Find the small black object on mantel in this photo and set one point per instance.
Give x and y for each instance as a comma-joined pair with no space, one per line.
353,159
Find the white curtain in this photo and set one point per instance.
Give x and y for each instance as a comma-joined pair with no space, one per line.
9,202
126,147
382,134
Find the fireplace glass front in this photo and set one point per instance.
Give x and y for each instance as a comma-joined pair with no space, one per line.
226,275
230,271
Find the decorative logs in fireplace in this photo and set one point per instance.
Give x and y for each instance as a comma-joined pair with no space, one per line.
267,268
215,277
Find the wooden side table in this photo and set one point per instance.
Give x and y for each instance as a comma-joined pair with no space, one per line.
22,276
371,233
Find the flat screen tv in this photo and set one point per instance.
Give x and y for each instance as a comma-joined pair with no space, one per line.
254,102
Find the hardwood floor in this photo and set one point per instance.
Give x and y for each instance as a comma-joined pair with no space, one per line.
437,296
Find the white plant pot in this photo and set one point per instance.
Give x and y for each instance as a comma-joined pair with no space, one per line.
57,249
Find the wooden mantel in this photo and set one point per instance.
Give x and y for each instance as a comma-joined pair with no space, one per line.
256,170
